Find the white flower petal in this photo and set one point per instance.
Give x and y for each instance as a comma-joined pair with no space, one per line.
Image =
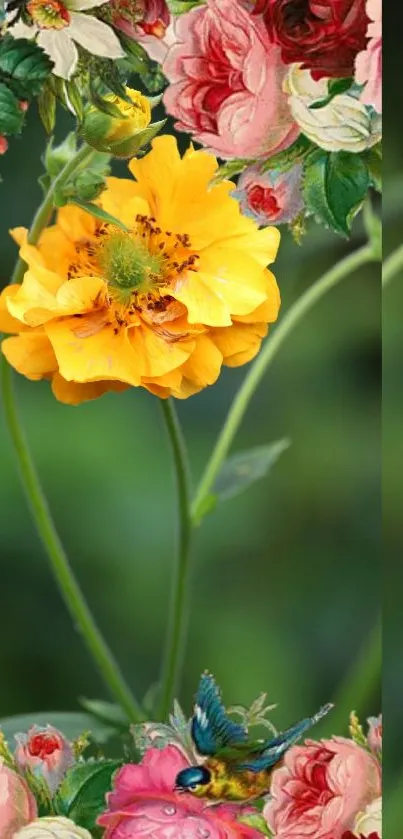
60,48
82,5
95,36
20,29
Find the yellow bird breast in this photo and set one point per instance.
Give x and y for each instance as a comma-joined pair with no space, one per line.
229,785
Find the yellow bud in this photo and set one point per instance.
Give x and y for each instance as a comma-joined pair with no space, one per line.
124,129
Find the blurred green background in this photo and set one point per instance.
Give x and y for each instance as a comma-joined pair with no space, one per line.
286,581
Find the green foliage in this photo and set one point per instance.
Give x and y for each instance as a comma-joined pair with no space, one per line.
11,115
56,157
72,724
95,211
288,158
24,67
81,796
335,186
257,821
374,163
241,470
107,712
335,88
230,169
179,7
47,109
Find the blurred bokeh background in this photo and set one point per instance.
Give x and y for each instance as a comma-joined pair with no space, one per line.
286,581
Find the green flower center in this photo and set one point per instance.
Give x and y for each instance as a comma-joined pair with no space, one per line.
128,265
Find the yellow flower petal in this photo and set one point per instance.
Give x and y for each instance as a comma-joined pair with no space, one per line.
75,223
267,311
204,365
122,199
240,342
31,354
158,355
7,322
72,393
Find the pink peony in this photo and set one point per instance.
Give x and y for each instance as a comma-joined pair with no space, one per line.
144,804
226,82
321,788
270,197
375,734
46,753
368,65
17,804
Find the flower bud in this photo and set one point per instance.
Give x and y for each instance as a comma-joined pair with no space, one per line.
3,144
52,828
370,821
17,804
124,133
375,734
88,185
46,753
341,123
270,197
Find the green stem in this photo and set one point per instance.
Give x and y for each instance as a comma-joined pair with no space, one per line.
173,659
59,563
44,212
242,399
392,265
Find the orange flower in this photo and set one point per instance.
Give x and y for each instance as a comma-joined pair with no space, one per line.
161,304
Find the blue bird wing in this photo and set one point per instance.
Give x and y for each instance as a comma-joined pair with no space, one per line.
212,728
273,750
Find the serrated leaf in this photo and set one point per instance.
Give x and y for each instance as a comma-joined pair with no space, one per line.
81,796
71,724
99,213
257,821
11,115
24,66
335,186
106,712
244,468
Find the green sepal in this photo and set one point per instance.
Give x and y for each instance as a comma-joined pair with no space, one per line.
56,157
47,109
81,796
335,186
24,66
257,821
131,145
230,170
98,213
11,115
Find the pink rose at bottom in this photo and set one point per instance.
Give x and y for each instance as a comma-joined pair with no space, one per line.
270,197
144,804
321,788
17,804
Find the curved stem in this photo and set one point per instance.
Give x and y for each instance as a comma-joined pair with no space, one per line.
174,650
392,265
61,568
44,212
59,563
240,404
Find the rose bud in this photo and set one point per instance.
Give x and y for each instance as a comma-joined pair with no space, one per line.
124,130
375,733
17,804
46,753
270,197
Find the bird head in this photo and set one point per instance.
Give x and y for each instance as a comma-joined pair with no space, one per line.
195,779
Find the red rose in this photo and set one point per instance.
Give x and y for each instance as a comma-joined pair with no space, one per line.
325,35
349,835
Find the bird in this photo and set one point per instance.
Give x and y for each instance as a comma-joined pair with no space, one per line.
232,767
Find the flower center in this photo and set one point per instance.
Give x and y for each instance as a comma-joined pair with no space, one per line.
263,200
43,745
49,14
128,264
295,15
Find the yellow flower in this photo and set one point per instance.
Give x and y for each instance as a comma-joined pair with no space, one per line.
163,305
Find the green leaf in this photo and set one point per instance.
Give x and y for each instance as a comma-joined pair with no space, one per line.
71,724
11,115
56,157
256,821
335,88
107,712
98,213
179,7
81,796
242,470
47,109
74,98
374,163
373,227
24,66
285,160
230,170
335,185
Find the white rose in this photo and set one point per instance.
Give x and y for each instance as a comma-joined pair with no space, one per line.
344,124
52,828
370,821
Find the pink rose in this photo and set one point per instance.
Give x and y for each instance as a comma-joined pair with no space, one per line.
226,82
270,197
146,21
46,753
375,734
17,804
321,788
368,65
145,804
